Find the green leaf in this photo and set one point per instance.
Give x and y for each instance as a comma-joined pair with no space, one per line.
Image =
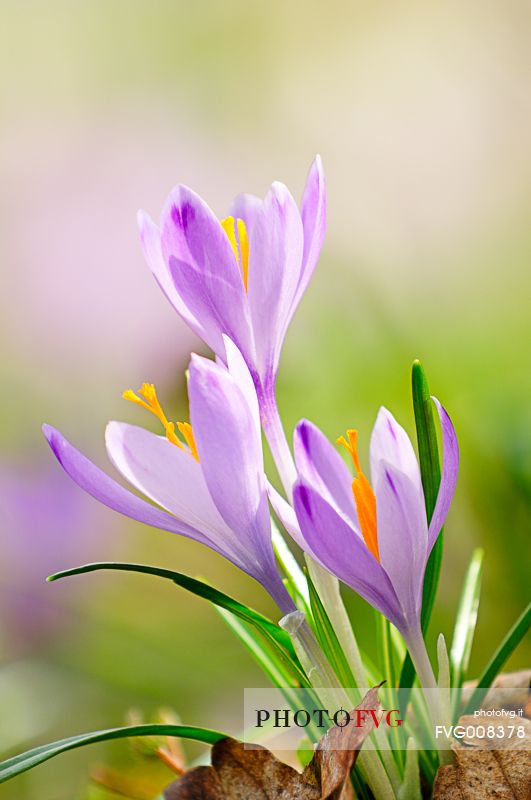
32,758
267,660
266,626
466,620
430,472
505,649
410,789
327,638
266,657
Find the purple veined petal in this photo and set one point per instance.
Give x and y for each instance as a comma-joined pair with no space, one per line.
450,468
275,258
107,491
286,515
336,546
150,238
240,372
402,533
320,464
169,476
390,443
244,207
204,269
313,213
230,450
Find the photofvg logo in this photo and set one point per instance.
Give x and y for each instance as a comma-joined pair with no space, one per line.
323,718
270,716
432,719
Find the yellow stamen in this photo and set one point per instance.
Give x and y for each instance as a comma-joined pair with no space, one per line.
148,399
363,495
186,430
244,251
239,243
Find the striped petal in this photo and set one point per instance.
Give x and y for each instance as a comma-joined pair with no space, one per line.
332,542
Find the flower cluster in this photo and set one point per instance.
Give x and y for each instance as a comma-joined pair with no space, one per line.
237,282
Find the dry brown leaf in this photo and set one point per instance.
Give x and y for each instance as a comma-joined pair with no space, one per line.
238,773
503,773
446,786
518,682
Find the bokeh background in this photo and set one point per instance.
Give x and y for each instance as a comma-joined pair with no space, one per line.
422,115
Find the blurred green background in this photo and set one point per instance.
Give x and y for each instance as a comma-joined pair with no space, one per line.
422,115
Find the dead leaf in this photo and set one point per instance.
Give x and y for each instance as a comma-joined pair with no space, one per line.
519,684
239,773
482,773
446,786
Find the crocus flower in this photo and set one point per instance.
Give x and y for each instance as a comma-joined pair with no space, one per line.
208,483
243,276
374,537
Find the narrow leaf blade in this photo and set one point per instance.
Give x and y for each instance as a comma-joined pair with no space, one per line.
430,471
495,665
198,588
14,766
466,620
327,638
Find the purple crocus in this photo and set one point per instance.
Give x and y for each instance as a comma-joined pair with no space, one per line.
375,538
208,485
243,276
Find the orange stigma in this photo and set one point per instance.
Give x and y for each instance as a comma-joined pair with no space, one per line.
239,243
364,498
148,399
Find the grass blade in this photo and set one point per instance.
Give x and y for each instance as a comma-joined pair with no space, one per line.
410,789
31,758
327,638
505,649
430,471
466,620
197,587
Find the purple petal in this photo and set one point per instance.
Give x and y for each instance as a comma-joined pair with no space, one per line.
98,484
275,259
320,464
245,207
402,534
450,468
204,269
313,212
150,238
169,476
240,372
332,542
390,443
230,449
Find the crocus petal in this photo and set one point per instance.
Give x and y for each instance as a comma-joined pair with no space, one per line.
336,546
402,534
313,213
244,207
103,488
450,469
150,238
275,258
229,446
320,464
169,476
240,372
204,269
390,443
